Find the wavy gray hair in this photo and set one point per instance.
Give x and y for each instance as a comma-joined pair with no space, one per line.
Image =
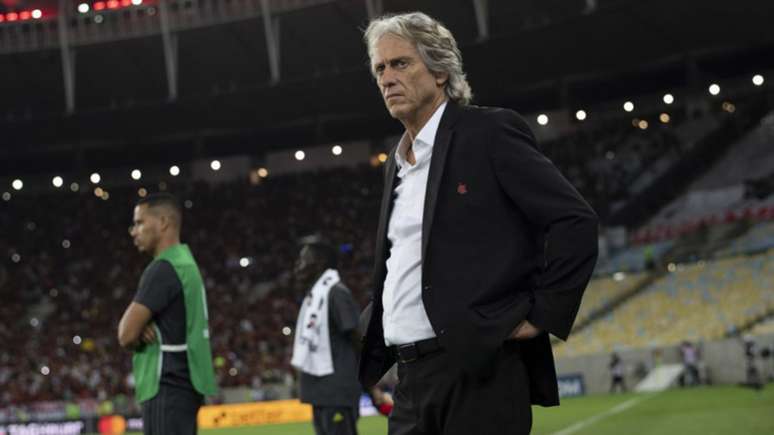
434,42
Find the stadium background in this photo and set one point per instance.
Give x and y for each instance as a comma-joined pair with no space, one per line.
262,116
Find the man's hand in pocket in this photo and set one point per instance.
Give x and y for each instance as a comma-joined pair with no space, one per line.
524,331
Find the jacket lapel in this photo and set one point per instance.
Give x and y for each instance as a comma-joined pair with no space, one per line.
437,165
380,252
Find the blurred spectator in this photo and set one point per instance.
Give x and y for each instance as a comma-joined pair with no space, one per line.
753,378
690,357
617,374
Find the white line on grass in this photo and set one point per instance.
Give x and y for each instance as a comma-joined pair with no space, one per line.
595,418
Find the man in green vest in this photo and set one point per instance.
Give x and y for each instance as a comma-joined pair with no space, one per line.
166,323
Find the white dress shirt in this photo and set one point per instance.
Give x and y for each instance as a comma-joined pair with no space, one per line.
405,320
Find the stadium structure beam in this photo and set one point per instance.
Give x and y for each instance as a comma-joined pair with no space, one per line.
374,8
169,41
482,18
271,28
68,58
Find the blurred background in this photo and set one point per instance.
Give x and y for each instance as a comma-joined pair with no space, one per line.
261,115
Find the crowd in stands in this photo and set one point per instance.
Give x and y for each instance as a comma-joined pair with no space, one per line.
70,269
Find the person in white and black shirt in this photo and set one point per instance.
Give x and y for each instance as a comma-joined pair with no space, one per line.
334,397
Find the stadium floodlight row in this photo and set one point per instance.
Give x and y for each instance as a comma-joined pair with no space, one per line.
652,111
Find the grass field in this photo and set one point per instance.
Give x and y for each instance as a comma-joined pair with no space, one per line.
699,411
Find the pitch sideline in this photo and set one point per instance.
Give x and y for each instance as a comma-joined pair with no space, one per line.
595,418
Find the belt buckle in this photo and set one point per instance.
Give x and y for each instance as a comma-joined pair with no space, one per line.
410,348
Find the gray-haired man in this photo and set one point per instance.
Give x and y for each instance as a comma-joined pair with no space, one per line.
483,248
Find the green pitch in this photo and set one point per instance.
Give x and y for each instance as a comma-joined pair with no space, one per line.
694,411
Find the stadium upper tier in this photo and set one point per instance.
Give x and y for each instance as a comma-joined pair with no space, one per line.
696,302
749,158
297,74
106,21
604,159
728,185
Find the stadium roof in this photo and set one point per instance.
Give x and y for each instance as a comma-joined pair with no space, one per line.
528,55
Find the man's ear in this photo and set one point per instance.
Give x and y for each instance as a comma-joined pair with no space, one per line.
164,222
441,79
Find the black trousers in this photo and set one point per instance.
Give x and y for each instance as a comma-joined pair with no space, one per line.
171,412
618,381
433,397
335,420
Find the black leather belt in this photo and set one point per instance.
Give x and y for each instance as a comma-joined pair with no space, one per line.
411,352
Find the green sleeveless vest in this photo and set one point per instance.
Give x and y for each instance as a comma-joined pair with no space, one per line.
147,361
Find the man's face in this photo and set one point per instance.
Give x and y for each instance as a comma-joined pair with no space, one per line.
306,266
408,88
145,229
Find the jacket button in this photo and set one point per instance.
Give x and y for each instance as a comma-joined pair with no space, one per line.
427,288
443,331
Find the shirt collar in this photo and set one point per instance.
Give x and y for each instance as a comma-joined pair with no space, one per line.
423,143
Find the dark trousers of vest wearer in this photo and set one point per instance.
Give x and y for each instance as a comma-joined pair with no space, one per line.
433,397
335,420
171,412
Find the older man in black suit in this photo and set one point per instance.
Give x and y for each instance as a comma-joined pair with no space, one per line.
483,248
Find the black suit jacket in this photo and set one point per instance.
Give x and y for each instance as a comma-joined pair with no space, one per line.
505,238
